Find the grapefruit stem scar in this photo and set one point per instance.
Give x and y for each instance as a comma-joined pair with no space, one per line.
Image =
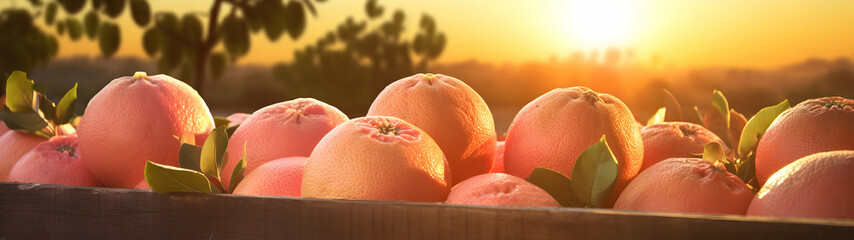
387,130
430,78
140,75
592,97
70,150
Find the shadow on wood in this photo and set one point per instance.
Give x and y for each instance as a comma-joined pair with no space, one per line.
33,211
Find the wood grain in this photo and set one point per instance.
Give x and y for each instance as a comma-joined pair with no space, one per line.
32,211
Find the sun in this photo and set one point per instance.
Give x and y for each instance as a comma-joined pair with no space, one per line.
601,23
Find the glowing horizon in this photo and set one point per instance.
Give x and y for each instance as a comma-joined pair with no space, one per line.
759,34
600,23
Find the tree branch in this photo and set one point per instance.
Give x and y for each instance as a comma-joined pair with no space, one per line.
213,21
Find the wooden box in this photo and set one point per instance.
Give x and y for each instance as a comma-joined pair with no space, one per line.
33,211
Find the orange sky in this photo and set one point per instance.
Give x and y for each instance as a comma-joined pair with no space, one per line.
756,33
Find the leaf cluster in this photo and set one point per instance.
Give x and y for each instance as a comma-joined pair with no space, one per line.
593,178
29,110
740,135
200,167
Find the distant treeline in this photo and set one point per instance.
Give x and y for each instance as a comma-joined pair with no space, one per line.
506,88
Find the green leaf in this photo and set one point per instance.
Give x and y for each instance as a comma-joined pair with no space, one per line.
658,117
141,12
109,39
114,8
310,7
670,102
72,6
189,156
557,185
218,61
60,28
428,24
713,152
235,35
595,174
746,170
757,125
213,152
330,38
91,23
65,109
39,88
255,16
717,118
167,21
214,189
221,122
186,69
436,46
96,4
169,47
50,13
398,16
295,14
36,3
231,130
373,10
720,103
75,28
29,121
164,178
272,16
221,164
19,92
47,107
170,57
700,116
419,44
51,46
191,28
237,174
151,41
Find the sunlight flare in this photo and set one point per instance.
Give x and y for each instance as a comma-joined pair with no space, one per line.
601,23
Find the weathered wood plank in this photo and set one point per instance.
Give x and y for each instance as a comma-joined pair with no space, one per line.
31,211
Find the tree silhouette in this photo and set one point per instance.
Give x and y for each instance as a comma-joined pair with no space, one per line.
183,44
351,64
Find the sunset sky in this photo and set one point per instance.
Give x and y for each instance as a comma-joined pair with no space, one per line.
758,33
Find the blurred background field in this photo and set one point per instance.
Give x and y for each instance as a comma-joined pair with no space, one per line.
344,52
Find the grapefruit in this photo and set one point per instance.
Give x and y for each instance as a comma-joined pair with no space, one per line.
13,145
55,161
686,185
675,140
812,126
136,119
280,177
498,161
499,189
286,129
817,186
451,112
3,127
236,119
377,158
552,131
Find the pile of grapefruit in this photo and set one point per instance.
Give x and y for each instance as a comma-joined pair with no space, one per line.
432,138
